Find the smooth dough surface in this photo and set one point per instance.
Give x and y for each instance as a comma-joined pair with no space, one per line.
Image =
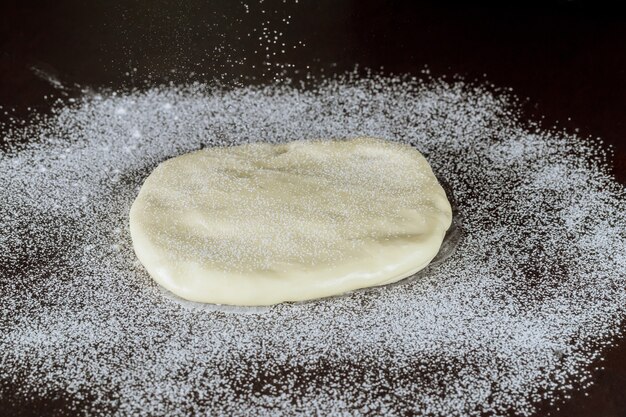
260,224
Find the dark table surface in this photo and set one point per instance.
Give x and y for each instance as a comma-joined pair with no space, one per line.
565,59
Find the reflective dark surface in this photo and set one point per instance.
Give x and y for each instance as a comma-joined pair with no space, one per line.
565,59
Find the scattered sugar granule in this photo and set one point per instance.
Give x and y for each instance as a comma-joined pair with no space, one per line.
519,314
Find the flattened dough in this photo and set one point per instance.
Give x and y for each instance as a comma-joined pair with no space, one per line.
260,224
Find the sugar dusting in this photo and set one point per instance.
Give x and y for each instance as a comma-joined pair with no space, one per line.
518,314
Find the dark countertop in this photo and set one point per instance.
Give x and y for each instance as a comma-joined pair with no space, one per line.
565,59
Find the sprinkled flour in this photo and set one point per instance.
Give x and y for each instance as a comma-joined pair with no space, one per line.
518,314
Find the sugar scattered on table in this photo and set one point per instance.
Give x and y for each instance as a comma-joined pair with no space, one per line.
518,315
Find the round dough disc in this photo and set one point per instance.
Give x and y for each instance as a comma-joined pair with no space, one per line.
260,224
